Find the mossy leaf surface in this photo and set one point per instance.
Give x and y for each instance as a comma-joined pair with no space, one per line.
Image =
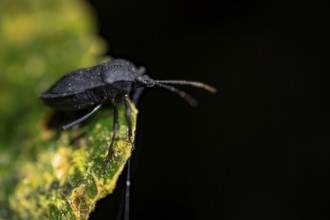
66,179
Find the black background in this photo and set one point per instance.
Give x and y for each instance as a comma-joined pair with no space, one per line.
259,148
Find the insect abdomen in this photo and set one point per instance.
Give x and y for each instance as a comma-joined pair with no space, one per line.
74,102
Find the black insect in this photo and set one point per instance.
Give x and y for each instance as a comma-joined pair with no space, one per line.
109,82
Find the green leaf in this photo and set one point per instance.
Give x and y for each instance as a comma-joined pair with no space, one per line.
66,180
46,173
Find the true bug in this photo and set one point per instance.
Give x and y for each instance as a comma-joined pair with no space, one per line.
109,82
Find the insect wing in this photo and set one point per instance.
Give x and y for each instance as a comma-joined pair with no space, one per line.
75,82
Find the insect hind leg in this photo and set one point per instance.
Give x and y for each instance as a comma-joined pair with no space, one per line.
78,121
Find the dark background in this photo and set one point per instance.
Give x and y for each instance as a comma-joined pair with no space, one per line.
259,148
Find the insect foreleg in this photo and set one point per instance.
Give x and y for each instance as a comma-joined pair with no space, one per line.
128,118
76,122
137,94
115,129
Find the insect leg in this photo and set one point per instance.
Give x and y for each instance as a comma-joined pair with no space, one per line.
78,121
128,165
137,94
127,191
115,129
128,118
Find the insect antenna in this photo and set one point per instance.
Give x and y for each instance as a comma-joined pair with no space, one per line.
201,85
188,98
